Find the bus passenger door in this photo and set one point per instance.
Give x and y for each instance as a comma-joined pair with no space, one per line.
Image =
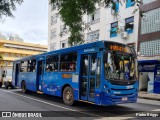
15,74
88,77
40,71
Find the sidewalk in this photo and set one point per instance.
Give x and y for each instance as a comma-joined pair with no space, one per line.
150,96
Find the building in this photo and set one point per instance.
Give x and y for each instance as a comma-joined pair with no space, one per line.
103,25
13,49
149,47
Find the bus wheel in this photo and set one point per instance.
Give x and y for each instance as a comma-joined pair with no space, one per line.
68,96
24,91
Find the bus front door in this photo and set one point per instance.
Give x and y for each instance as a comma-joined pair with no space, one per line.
88,77
40,75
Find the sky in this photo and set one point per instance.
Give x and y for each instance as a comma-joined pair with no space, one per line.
30,22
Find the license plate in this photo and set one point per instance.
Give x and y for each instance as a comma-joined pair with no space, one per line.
124,99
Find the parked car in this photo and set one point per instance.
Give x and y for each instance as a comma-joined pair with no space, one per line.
7,78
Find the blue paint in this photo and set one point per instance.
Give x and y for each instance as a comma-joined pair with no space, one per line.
129,31
113,32
117,6
129,3
53,82
151,66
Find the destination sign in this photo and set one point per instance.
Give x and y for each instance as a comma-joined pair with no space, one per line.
118,47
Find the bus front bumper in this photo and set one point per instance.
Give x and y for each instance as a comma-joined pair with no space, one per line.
106,100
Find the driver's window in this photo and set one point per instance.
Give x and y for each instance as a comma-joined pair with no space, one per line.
109,65
132,69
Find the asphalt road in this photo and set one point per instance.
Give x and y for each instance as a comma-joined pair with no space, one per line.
50,107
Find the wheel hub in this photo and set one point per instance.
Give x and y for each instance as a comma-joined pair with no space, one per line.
68,95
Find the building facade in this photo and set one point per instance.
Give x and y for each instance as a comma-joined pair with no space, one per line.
149,31
149,47
13,49
103,25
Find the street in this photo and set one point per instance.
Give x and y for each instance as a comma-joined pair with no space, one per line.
14,100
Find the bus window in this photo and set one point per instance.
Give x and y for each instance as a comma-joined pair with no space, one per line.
98,73
23,66
52,63
93,65
31,65
85,65
119,67
68,62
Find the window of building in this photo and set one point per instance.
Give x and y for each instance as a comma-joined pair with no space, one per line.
113,31
115,7
130,3
23,66
68,62
93,36
52,63
129,25
63,30
53,19
6,54
53,6
53,34
150,47
31,65
151,21
12,55
94,18
63,44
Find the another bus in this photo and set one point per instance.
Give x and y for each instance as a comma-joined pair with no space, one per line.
102,73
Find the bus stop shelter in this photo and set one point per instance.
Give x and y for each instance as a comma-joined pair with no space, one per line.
149,76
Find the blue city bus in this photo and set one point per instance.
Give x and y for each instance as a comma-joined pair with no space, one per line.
101,73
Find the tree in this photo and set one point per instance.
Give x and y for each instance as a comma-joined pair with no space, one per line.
7,6
71,12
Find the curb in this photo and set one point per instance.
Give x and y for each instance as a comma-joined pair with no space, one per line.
149,97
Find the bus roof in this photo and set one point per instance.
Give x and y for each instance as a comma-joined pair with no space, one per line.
73,48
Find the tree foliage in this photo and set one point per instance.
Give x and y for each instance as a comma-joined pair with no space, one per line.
71,12
7,6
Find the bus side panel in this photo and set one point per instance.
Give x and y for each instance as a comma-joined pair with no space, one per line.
53,84
29,78
50,86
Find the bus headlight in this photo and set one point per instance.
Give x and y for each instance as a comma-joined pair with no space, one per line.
107,91
105,86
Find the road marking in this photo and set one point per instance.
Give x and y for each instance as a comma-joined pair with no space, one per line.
156,110
104,118
115,118
52,104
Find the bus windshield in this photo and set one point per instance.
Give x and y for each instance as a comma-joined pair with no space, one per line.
119,66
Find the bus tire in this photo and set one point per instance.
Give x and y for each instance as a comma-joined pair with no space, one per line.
24,90
68,96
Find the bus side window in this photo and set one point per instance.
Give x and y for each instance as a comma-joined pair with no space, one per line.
68,62
23,66
52,63
31,65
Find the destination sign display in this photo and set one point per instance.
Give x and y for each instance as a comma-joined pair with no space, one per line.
118,47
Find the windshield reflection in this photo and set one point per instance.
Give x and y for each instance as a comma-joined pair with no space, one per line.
119,67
